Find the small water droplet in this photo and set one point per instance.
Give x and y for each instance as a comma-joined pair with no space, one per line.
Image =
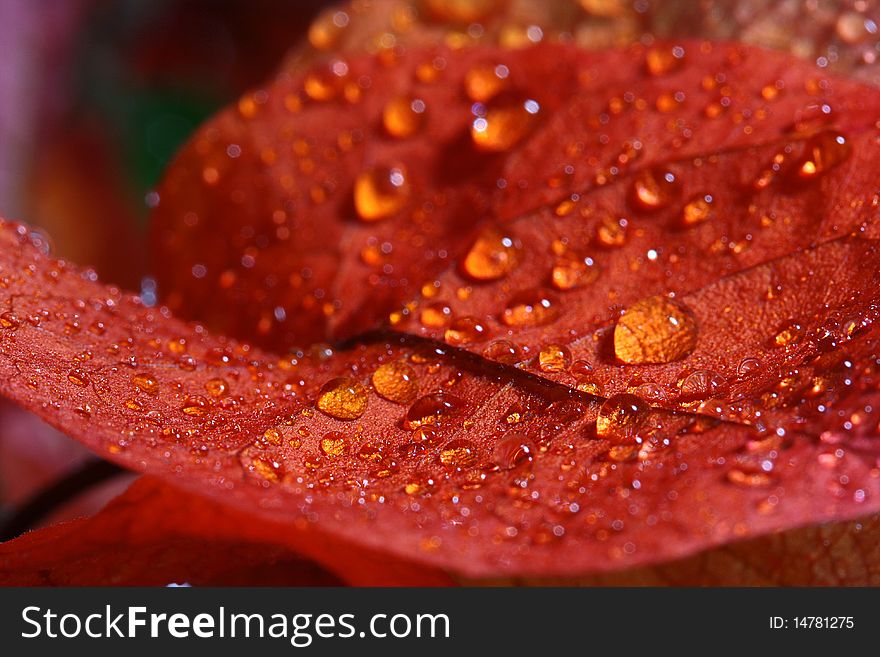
485,81
788,333
702,384
432,409
396,382
654,189
747,366
504,125
195,406
823,151
554,358
502,351
78,377
621,417
380,192
493,255
326,30
458,453
662,60
611,232
9,321
403,116
571,271
436,315
146,382
513,451
342,398
333,444
217,387
697,210
655,330
530,308
465,330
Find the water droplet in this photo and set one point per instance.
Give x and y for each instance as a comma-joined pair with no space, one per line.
747,366
789,333
530,308
465,330
146,382
432,409
662,60
504,125
333,444
458,453
513,451
823,151
325,83
492,256
485,81
195,406
653,189
272,436
697,210
436,315
749,479
380,192
403,116
78,377
9,321
621,417
702,384
554,358
342,398
611,232
502,351
134,405
655,330
217,387
396,382
571,271
327,28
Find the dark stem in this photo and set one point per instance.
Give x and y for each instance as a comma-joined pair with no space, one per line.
78,481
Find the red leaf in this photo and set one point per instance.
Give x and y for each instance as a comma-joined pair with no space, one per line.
500,455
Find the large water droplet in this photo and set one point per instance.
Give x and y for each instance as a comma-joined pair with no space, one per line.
697,210
380,192
554,358
492,256
396,382
654,189
823,151
465,330
662,60
342,398
146,382
333,444
702,384
571,271
655,330
789,333
458,453
485,81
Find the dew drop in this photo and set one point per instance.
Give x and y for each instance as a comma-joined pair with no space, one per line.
146,382
485,81
697,210
789,333
78,377
217,387
465,330
824,151
493,255
380,192
342,398
333,444
611,232
554,358
326,30
403,116
702,384
570,272
396,382
436,315
512,452
9,321
504,125
655,330
653,189
662,60
530,308
195,406
621,417
502,351
432,409
458,453
747,366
